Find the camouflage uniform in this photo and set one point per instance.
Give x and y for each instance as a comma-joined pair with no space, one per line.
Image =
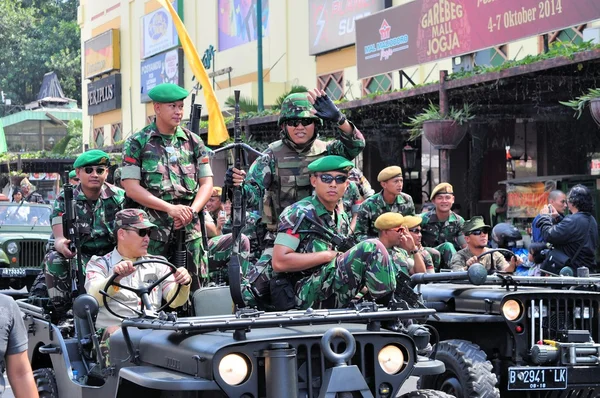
459,260
336,283
169,168
351,199
444,236
95,224
404,261
375,206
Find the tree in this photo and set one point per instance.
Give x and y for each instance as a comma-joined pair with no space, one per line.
36,37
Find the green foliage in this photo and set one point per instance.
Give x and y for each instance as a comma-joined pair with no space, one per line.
293,90
36,37
432,112
246,104
579,103
72,142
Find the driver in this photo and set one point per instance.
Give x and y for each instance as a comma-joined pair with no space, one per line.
131,231
476,235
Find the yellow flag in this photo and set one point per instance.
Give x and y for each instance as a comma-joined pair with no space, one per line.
217,132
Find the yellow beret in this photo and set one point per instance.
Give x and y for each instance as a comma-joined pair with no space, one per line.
444,187
411,221
388,221
389,173
216,191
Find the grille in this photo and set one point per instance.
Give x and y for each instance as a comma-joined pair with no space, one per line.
31,253
551,318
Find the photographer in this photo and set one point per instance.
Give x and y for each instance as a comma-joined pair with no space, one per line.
577,234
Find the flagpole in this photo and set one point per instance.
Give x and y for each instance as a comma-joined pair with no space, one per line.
259,51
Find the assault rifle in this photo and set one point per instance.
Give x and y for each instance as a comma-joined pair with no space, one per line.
238,206
71,232
340,243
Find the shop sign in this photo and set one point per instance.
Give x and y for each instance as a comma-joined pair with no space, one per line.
159,32
162,68
101,54
104,95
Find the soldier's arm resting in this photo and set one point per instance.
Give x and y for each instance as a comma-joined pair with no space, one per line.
203,194
457,263
419,267
61,244
20,375
285,259
258,180
96,276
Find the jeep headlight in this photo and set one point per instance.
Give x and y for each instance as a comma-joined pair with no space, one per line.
511,310
12,248
233,369
391,359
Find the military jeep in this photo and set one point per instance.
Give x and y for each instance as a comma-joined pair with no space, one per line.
24,232
366,351
517,336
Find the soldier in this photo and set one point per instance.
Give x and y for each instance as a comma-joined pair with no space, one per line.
73,179
165,170
442,228
476,235
403,251
352,201
390,199
413,224
363,185
280,177
96,204
315,272
214,205
29,193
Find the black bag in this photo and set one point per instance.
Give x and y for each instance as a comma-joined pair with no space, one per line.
556,260
283,296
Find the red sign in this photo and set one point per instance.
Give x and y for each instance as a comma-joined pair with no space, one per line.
426,30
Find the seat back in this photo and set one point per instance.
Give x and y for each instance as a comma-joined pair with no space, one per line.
214,300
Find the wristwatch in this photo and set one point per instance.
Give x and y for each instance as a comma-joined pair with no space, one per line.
415,251
342,120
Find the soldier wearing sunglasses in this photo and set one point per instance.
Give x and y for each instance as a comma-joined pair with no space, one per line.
280,177
402,248
476,235
166,171
97,203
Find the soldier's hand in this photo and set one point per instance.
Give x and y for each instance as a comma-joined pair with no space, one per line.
182,276
329,255
62,246
182,215
234,177
123,269
472,261
221,220
324,106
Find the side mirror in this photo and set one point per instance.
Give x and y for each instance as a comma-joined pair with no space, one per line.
477,274
83,303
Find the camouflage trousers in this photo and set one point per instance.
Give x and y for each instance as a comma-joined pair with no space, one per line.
441,255
57,270
196,259
334,285
219,253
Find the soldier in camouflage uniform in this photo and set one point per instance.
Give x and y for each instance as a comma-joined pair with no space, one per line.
390,199
413,224
166,170
442,228
214,204
96,203
280,177
319,275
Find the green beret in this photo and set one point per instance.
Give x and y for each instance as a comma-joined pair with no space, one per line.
388,221
388,173
331,163
167,92
91,158
443,187
72,174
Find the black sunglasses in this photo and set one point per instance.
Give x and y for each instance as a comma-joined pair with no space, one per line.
75,179
141,232
328,178
91,169
296,122
478,232
415,230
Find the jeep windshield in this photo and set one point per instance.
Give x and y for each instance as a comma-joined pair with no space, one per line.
24,214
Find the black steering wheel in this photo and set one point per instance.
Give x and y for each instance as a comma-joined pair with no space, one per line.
490,253
141,292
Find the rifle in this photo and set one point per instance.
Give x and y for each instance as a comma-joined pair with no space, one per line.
71,232
340,243
238,206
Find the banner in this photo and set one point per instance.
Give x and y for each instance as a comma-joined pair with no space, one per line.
158,32
526,200
101,54
237,22
162,68
426,30
332,22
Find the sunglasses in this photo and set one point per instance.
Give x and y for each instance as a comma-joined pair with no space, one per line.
328,178
75,179
478,232
415,230
296,122
141,232
91,169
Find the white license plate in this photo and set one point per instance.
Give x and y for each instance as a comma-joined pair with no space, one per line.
13,272
530,378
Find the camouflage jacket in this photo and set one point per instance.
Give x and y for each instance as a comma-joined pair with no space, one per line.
280,177
303,241
375,206
404,261
459,260
95,221
352,199
169,168
436,232
250,230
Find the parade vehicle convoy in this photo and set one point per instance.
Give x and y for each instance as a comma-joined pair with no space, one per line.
365,351
517,336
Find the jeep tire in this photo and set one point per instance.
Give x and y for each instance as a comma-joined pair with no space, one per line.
45,382
468,372
426,394
39,288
